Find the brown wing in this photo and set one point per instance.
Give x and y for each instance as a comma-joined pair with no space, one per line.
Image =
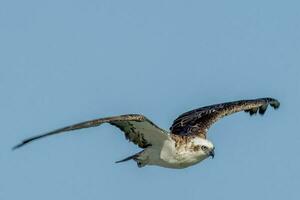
198,121
137,128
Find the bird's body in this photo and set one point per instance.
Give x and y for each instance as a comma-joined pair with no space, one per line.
186,144
172,155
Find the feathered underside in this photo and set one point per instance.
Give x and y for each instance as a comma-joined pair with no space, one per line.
137,129
198,121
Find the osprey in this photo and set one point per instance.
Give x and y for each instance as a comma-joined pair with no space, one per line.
186,144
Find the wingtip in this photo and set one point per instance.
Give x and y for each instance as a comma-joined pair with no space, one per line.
275,104
262,109
17,146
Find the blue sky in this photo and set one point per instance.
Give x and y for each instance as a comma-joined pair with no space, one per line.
63,62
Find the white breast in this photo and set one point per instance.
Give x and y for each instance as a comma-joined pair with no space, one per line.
169,156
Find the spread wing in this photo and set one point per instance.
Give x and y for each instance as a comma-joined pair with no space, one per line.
137,129
198,121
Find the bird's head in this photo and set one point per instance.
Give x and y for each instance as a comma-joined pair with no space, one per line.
206,147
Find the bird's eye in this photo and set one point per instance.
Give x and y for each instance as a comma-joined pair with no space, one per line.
204,148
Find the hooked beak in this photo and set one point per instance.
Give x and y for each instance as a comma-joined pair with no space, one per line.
212,153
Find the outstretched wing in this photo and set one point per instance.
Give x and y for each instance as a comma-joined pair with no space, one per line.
198,121
137,128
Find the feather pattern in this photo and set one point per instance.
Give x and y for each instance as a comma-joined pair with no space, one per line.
137,128
198,121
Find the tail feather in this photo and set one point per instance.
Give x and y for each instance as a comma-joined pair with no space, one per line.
128,158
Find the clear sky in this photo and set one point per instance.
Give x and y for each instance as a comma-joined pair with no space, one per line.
63,62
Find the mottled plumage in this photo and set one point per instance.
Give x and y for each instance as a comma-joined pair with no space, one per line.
198,121
184,146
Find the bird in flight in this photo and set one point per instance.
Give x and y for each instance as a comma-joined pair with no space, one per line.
184,145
